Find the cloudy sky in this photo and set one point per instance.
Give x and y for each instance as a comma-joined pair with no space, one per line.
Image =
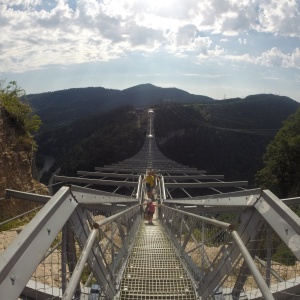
218,48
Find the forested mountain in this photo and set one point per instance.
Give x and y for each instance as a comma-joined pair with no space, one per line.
224,137
62,107
89,142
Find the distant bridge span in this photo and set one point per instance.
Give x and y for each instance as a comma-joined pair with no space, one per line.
212,239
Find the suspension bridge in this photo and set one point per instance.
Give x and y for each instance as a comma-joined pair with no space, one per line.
211,239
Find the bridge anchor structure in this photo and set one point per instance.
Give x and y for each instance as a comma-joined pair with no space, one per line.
211,239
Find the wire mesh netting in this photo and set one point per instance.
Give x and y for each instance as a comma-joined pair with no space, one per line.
14,215
210,254
54,271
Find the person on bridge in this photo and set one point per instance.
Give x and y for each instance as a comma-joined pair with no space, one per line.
156,179
150,210
150,184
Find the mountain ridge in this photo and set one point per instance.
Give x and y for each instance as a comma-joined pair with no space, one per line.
73,104
59,108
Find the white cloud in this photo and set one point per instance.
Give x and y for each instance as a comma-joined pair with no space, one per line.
23,3
146,37
186,34
35,34
280,17
276,58
245,58
295,58
217,51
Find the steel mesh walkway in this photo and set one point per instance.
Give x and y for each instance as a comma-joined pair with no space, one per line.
153,270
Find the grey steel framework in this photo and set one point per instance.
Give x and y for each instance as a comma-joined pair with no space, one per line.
212,239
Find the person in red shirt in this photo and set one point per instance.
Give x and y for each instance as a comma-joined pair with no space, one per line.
150,210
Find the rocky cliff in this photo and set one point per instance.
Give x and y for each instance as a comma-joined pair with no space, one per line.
16,167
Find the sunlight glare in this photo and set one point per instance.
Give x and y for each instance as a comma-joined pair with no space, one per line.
157,5
159,13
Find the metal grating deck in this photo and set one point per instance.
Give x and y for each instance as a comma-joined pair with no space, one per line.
153,270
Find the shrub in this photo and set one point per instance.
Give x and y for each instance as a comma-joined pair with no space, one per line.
14,102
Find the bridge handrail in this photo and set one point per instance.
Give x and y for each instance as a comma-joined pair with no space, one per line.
54,216
112,218
171,223
253,268
139,188
225,225
162,189
89,245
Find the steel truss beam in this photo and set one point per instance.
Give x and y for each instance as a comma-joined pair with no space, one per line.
83,195
27,196
23,255
109,175
91,196
247,230
95,181
282,219
82,233
240,199
206,184
190,177
162,170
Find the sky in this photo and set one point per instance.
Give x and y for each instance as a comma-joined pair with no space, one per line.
218,48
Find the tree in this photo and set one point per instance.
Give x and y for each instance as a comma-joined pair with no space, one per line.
281,173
